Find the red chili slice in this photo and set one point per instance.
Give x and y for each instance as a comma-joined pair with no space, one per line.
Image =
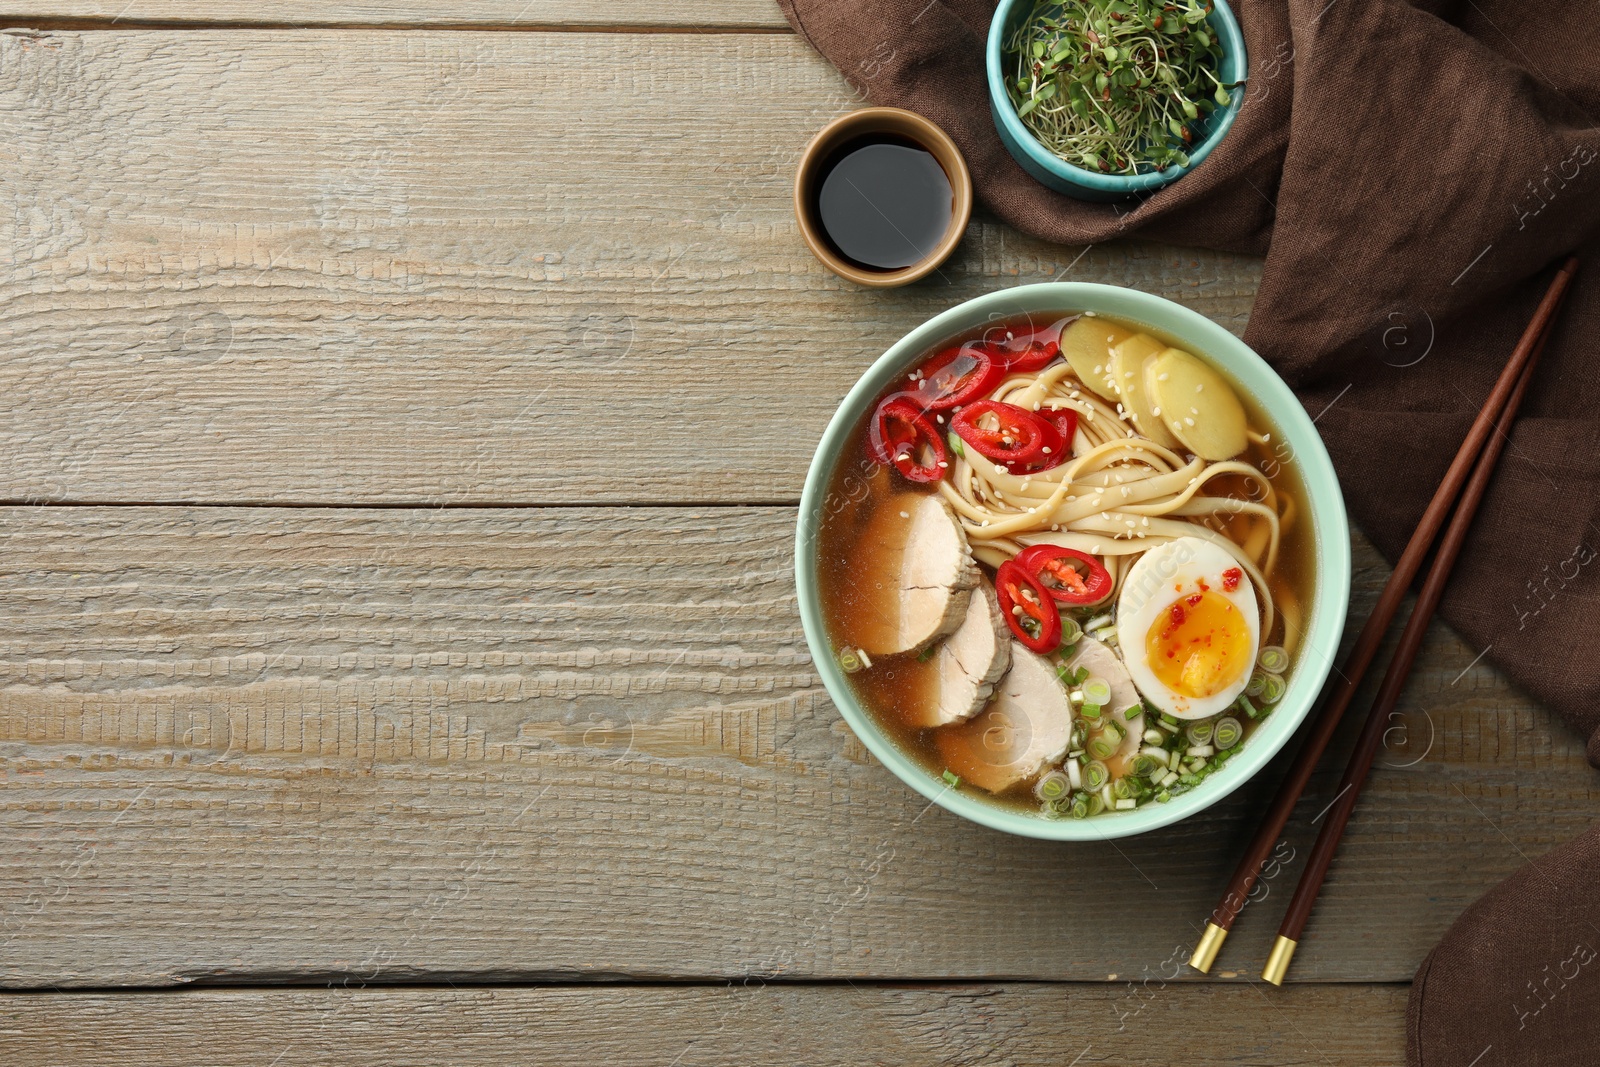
899,433
1070,576
1065,420
1026,351
1017,440
958,375
1035,620
1060,425
1034,356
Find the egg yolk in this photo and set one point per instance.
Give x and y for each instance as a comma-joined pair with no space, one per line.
1199,645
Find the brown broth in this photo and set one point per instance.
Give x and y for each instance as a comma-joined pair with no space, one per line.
850,567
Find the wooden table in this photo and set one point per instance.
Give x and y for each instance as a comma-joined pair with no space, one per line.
404,411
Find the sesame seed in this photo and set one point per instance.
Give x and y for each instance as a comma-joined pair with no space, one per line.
1088,314
1161,377
1098,367
1155,411
905,514
1200,387
1194,411
1188,421
1045,449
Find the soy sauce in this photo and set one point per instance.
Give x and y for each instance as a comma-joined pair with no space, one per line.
884,202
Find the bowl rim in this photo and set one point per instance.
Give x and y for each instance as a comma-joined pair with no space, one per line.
1325,504
1235,60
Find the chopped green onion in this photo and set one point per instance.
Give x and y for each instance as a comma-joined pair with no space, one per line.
1070,630
1095,775
1127,804
1053,786
849,660
1168,719
1090,711
1273,659
1099,622
1247,707
955,444
1154,737
1273,689
1133,711
1229,732
1258,682
1163,796
1102,747
1123,788
1096,804
1199,732
1144,766
1080,806
1097,691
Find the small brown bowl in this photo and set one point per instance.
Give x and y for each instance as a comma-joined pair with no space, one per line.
881,120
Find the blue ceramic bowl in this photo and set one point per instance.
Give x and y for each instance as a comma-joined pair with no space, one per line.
1050,169
1299,444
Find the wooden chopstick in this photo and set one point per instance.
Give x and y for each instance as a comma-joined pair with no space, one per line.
1394,682
1365,649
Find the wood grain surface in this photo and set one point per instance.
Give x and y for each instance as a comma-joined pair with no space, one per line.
391,744
699,15
1225,1026
403,423
437,268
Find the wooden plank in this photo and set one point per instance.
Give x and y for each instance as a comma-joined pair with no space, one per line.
692,14
1237,1026
429,268
389,744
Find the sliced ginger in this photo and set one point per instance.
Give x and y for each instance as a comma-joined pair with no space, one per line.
1197,405
1087,344
1129,361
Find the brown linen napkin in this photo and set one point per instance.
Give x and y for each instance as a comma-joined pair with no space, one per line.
1516,981
1408,172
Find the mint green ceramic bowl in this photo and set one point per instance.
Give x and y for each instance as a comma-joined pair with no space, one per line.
1301,446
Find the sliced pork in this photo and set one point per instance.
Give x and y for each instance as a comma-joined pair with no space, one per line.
968,663
930,572
1102,661
1025,727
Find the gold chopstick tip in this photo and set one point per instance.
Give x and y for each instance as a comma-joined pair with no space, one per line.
1278,963
1205,953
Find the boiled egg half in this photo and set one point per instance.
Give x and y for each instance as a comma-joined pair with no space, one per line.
1188,627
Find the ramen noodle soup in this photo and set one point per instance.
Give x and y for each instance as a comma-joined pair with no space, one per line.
1064,566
